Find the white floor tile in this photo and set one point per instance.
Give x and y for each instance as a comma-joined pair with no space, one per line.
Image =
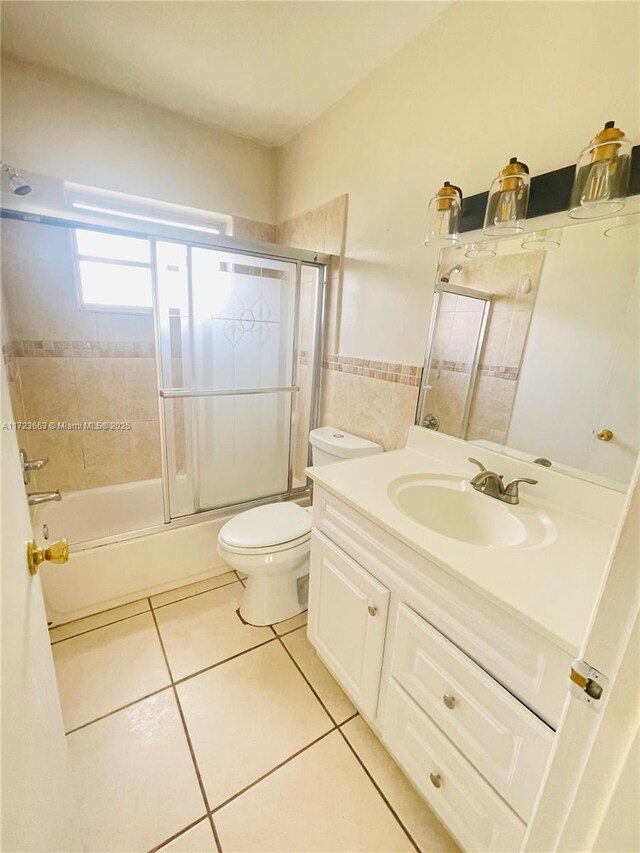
426,830
134,776
108,668
80,626
198,839
192,589
320,801
206,629
248,715
291,624
328,689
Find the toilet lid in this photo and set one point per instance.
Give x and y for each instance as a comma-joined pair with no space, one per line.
266,525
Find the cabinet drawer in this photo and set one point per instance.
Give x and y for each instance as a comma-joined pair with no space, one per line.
471,810
506,742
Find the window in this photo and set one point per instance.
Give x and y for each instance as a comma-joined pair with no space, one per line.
114,271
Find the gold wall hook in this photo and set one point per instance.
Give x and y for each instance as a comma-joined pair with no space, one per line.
57,552
604,435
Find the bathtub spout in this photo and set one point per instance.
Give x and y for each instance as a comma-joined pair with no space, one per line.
36,498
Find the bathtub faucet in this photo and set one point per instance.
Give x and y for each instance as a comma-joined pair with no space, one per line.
36,498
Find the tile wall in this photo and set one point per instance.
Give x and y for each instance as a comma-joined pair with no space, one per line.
67,365
70,366
374,399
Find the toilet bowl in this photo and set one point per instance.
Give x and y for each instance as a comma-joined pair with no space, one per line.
271,543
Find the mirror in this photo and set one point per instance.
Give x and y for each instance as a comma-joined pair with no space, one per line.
533,351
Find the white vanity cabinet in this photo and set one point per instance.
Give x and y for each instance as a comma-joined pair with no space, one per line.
464,695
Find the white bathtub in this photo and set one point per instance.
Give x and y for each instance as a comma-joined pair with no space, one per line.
120,549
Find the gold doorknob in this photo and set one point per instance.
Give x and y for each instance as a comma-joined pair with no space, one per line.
605,435
57,552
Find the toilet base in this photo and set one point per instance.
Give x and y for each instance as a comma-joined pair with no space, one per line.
268,600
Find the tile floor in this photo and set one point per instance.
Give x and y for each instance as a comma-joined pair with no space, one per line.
190,731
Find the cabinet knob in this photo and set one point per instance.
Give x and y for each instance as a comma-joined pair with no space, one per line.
373,610
605,435
436,781
449,701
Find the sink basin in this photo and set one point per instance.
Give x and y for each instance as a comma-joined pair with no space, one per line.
451,507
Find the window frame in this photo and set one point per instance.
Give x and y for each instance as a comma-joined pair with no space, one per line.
108,308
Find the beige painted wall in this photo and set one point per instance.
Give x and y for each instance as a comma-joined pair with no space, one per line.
487,81
60,126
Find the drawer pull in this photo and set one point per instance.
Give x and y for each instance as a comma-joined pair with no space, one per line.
449,701
373,610
436,781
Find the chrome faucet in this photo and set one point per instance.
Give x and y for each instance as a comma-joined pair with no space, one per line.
36,498
491,484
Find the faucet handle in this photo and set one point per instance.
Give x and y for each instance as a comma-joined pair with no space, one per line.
29,465
512,491
478,463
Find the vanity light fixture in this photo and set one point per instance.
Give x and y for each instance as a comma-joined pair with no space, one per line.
542,241
602,175
443,216
508,200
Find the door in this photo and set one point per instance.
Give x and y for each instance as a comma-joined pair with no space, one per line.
37,814
347,621
227,329
593,769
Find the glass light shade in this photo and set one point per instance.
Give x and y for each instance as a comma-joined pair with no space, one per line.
624,226
508,201
443,216
602,175
486,249
542,241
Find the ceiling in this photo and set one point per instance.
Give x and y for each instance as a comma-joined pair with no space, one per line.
261,70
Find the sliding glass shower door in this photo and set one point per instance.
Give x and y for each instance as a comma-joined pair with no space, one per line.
228,333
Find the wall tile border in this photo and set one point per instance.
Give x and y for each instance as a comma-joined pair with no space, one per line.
499,371
77,349
402,374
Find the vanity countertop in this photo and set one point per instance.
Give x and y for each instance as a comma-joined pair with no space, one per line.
552,588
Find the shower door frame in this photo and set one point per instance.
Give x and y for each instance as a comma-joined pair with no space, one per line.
64,215
300,258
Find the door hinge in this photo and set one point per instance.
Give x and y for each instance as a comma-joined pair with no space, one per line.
587,684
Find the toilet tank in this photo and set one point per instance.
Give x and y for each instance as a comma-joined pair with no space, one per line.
329,444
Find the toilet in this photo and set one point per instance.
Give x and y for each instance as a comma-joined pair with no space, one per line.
271,544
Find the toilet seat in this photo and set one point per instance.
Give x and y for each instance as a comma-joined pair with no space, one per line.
266,529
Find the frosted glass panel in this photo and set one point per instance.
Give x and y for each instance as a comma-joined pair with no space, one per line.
228,323
243,324
243,447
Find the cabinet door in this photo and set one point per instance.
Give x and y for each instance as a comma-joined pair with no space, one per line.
347,621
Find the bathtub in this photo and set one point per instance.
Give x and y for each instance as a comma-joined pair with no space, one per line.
120,548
